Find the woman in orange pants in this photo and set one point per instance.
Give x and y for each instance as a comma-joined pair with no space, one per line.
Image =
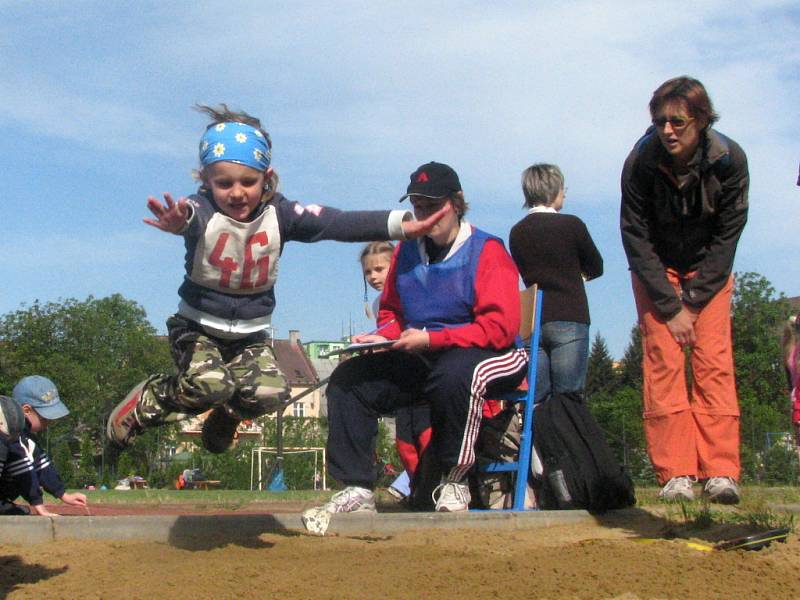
684,205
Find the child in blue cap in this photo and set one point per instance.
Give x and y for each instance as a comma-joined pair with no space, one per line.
27,467
234,230
12,423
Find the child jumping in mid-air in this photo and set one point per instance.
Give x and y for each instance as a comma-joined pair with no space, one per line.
412,423
791,361
234,230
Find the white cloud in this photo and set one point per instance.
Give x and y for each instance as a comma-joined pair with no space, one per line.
356,95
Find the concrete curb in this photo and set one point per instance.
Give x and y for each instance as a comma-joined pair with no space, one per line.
208,531
193,531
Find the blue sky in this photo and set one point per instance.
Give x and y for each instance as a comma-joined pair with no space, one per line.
95,116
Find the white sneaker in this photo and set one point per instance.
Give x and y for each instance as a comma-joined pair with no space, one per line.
722,490
350,499
451,497
678,488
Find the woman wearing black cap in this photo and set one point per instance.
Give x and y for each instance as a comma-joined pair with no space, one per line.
451,301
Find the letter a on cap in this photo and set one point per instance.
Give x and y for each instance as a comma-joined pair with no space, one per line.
422,178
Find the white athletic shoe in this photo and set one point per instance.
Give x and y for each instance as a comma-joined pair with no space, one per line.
350,499
451,497
722,490
678,489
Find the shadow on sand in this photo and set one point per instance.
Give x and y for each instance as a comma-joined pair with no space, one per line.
14,572
205,532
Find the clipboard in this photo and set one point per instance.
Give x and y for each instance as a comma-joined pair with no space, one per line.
360,347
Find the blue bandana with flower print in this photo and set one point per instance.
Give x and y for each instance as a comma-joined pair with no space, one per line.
235,142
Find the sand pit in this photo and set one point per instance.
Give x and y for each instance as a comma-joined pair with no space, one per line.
609,559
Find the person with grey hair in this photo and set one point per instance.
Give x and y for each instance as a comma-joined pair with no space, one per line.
556,252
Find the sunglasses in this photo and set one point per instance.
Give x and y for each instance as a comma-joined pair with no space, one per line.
677,123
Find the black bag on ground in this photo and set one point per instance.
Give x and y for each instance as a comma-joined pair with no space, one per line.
579,468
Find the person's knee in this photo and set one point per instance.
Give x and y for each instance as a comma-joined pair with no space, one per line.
260,398
206,387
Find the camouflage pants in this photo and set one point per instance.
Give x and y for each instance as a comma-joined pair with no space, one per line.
241,375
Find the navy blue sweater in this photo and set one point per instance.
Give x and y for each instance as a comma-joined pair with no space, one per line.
27,470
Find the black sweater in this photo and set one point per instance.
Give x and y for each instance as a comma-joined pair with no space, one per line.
554,250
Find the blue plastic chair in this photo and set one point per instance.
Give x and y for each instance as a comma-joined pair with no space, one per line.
531,300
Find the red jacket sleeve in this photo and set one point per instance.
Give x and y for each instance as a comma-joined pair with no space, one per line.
390,311
496,308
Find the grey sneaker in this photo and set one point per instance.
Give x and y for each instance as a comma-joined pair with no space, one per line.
350,499
451,497
678,489
123,423
722,490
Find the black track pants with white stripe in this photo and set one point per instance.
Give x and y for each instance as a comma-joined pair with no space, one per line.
454,382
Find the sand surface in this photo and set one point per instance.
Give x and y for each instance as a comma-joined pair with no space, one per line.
608,559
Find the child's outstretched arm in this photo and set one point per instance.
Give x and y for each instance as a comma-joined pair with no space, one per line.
171,217
415,229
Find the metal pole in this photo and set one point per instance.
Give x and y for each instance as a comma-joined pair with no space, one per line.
279,442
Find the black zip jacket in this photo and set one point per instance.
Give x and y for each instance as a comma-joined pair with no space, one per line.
690,227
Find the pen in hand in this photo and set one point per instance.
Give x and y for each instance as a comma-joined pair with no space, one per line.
359,339
379,328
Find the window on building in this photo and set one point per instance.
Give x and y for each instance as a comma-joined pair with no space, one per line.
299,409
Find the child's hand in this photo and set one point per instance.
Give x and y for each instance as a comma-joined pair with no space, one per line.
41,510
75,499
413,340
415,229
170,218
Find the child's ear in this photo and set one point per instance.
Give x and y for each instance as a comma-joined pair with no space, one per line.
27,409
269,172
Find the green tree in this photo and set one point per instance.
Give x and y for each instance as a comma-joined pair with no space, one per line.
62,458
601,378
87,473
758,316
616,404
95,351
630,367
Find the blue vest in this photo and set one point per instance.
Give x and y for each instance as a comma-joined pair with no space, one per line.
443,294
